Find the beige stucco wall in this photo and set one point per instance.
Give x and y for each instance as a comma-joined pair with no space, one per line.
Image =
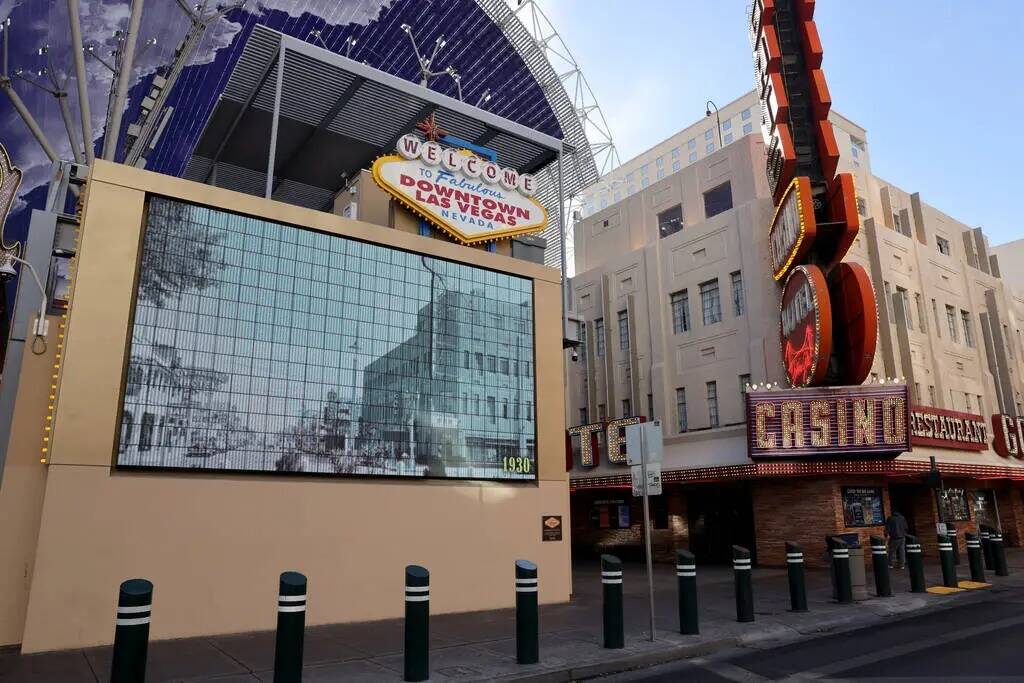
213,544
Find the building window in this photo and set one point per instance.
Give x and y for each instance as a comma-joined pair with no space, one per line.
693,157
965,318
904,296
670,221
599,336
503,364
681,410
917,392
623,331
712,388
922,319
708,134
644,182
659,162
661,173
676,165
717,200
747,129
862,206
617,196
583,416
710,304
630,189
935,314
680,311
479,361
727,125
739,303
146,432
627,408
728,138
601,414
889,301
492,363
745,114
629,177
943,244
491,409
931,396
691,144
709,148
650,406
675,152
951,322
643,170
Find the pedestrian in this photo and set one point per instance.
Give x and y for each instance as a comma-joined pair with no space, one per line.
896,532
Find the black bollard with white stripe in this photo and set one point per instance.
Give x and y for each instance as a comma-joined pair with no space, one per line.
417,623
986,547
946,561
999,553
611,584
291,628
131,634
797,577
686,578
952,532
915,565
527,621
743,583
880,565
841,569
974,557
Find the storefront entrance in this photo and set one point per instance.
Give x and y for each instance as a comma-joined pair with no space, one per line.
904,497
720,516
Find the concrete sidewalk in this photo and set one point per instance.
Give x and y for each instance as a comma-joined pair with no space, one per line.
480,646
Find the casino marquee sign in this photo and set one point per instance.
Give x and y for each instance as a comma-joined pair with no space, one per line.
471,199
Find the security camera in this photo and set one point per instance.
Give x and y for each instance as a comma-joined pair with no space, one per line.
574,355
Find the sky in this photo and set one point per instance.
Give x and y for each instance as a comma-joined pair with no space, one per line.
937,85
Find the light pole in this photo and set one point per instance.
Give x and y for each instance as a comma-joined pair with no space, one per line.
718,119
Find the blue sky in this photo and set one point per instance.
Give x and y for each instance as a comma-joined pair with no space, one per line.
938,85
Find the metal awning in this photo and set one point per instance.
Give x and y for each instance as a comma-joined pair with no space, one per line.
334,117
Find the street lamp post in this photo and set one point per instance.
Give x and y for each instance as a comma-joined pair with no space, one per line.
718,119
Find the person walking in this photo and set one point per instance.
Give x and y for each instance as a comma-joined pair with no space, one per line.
896,531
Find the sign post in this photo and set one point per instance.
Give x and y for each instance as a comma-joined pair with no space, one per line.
638,437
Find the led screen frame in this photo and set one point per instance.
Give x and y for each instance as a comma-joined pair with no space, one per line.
527,384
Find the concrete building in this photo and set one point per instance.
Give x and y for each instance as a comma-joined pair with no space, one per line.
680,315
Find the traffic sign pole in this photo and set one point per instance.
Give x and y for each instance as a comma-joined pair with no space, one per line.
647,525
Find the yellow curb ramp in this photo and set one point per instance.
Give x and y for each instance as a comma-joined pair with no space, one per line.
943,590
970,585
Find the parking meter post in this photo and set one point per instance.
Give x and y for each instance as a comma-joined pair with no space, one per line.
131,631
686,578
797,577
946,561
417,623
880,565
527,620
611,583
915,565
291,626
841,562
975,559
999,553
743,583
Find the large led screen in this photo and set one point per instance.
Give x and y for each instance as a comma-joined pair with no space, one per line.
263,347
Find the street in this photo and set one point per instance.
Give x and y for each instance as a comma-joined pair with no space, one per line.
972,642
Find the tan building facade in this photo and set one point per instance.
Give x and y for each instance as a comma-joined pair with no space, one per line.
680,314
214,542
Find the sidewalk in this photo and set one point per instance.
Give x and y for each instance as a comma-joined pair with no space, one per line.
480,646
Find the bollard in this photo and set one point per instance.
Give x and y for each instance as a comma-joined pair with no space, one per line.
999,553
417,623
841,565
946,560
952,532
743,583
986,547
527,638
915,565
880,565
291,625
974,558
611,580
797,577
131,633
686,578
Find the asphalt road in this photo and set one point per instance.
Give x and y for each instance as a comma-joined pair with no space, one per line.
979,641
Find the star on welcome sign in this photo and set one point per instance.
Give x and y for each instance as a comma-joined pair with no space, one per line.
430,129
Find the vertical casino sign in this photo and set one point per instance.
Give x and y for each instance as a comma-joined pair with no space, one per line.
828,320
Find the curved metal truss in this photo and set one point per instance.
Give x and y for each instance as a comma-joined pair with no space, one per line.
583,124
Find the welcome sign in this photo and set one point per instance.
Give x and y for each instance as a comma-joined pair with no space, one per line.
472,199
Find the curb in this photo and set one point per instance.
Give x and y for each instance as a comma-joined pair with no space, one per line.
623,664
